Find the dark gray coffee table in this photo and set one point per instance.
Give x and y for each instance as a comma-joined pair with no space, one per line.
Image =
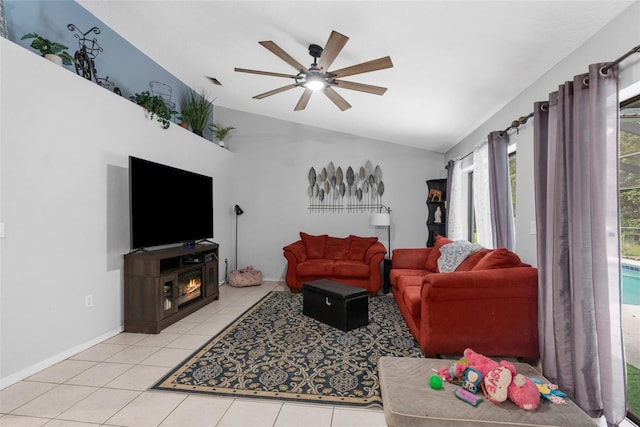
341,306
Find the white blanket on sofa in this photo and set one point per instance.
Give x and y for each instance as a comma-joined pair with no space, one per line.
452,254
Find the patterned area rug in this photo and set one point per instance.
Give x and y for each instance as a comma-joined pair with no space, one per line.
273,351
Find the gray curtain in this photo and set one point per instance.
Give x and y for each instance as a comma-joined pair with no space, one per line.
447,196
576,188
500,191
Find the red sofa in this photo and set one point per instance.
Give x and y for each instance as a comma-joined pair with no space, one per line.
489,303
351,260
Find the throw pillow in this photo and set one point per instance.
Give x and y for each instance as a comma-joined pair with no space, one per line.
452,255
359,247
472,260
314,245
432,259
498,258
336,248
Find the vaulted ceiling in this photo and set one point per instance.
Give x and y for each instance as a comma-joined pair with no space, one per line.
456,63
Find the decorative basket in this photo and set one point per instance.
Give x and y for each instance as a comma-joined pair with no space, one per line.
245,277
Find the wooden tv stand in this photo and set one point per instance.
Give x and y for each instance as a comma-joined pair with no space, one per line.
159,285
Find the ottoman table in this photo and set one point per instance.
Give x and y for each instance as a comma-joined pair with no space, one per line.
408,401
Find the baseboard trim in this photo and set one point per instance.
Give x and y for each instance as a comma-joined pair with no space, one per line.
47,363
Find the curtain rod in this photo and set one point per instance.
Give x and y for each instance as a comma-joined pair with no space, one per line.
523,119
612,64
516,123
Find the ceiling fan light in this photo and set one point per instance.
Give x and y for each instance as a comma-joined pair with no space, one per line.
314,82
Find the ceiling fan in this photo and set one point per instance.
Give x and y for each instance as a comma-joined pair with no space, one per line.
318,76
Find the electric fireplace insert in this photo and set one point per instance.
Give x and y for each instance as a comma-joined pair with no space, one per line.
189,287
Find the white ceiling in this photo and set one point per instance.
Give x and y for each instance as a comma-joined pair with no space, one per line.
456,63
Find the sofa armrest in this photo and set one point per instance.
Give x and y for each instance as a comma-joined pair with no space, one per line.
495,312
411,258
376,248
297,250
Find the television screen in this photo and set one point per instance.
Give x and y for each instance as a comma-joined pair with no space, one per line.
168,205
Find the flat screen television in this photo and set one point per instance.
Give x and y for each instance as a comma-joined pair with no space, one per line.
168,205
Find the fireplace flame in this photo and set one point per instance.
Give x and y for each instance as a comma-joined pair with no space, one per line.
192,285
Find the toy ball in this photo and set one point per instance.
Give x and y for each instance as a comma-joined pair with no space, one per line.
435,382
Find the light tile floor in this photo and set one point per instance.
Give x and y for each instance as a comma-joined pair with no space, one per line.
107,384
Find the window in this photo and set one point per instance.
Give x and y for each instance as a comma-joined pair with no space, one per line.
629,199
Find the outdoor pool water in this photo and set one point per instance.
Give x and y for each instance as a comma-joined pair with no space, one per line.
630,284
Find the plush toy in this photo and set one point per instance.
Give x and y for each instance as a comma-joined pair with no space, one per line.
472,379
524,392
550,392
499,380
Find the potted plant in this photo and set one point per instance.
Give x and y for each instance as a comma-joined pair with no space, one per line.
54,52
156,107
196,110
182,121
221,132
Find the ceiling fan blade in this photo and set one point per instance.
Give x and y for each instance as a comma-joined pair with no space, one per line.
340,102
304,100
275,91
365,67
277,50
264,73
343,84
331,50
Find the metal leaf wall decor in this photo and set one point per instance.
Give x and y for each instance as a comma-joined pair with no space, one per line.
354,189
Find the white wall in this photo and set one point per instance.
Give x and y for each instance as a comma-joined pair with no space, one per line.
64,152
615,39
273,162
64,201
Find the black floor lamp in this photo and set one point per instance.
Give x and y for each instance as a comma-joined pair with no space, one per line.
238,210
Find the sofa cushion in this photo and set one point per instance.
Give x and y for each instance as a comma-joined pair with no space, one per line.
396,273
336,248
472,260
498,258
408,281
315,267
411,297
347,268
314,244
432,259
359,246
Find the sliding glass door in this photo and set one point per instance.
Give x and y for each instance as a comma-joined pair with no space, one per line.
630,247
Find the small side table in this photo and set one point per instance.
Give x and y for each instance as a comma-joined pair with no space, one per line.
386,270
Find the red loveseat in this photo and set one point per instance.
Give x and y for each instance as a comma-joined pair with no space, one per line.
489,303
351,260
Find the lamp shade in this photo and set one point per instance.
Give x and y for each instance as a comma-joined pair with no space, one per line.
381,219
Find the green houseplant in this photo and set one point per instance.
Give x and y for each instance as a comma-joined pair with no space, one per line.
156,107
196,110
221,132
47,47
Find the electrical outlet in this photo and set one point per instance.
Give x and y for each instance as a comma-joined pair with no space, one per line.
88,300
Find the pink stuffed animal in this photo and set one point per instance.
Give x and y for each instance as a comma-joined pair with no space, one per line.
520,389
496,377
500,380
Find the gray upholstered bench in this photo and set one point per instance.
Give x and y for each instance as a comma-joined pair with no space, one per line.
409,401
